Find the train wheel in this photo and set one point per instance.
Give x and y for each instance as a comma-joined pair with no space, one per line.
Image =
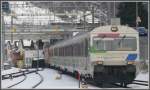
124,84
99,83
121,84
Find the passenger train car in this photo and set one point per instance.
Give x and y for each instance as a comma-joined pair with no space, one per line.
106,54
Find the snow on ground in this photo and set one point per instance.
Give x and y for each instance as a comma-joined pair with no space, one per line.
8,82
138,86
50,81
143,76
30,77
66,82
31,80
12,70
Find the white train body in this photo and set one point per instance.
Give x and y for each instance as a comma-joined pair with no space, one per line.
106,45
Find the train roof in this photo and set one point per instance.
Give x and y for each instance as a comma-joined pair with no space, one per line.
121,29
72,40
101,29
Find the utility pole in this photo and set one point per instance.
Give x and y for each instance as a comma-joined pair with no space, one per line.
93,15
114,10
3,42
11,28
84,20
38,45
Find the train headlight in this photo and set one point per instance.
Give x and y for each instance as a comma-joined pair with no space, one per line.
99,62
114,28
131,62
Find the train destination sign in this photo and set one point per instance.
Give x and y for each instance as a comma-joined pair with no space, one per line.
108,35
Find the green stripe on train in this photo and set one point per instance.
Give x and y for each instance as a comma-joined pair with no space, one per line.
93,50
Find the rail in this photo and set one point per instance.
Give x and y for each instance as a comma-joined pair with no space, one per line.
42,79
19,81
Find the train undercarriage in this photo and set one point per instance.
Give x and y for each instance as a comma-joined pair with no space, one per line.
114,74
123,75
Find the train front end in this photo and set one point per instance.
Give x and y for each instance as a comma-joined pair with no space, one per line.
114,51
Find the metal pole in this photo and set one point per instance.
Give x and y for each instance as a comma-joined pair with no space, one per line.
11,29
114,10
79,79
84,20
136,15
3,43
93,15
38,54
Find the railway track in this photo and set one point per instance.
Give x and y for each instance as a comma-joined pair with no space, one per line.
25,77
140,82
135,82
42,79
18,74
105,85
115,85
22,73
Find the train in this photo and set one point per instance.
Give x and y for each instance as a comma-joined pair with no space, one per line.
107,54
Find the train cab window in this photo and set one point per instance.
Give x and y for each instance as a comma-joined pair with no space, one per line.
119,44
98,44
129,43
116,44
109,45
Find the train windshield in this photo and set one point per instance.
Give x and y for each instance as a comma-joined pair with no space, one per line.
115,44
